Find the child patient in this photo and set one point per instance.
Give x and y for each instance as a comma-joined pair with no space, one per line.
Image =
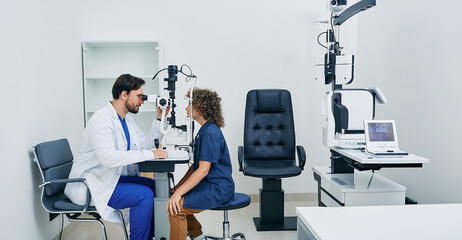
208,183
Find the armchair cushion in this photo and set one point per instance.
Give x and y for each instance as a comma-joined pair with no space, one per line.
69,206
269,136
269,125
269,102
60,172
53,153
271,168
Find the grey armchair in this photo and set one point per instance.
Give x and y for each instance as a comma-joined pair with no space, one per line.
54,160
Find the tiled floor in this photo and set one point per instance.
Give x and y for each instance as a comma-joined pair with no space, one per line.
241,220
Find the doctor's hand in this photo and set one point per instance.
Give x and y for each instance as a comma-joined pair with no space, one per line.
159,112
159,153
173,204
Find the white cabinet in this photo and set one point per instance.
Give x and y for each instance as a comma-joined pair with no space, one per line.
357,189
103,62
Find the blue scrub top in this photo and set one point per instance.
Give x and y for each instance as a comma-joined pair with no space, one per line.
125,127
217,188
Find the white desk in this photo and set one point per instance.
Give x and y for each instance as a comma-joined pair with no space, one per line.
344,161
365,158
339,185
439,221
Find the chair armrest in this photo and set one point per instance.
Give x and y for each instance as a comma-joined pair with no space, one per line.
72,180
240,157
55,181
301,156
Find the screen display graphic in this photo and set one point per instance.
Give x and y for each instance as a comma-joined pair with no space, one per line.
379,132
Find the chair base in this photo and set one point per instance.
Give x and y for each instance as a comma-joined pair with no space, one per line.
290,223
226,233
74,218
233,237
97,218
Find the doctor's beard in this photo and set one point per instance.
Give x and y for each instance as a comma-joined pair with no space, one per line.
132,109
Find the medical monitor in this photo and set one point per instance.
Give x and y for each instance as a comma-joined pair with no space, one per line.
380,133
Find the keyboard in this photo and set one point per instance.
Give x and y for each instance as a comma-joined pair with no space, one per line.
387,153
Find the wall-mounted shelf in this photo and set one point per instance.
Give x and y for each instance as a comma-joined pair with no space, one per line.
103,62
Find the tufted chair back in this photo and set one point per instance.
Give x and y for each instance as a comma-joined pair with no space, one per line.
269,125
269,153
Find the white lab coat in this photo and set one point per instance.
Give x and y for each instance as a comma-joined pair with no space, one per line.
103,157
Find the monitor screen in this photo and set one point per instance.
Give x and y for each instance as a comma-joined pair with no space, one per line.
379,132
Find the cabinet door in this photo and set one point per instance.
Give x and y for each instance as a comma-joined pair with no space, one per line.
103,62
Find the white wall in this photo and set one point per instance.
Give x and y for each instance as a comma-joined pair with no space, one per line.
410,50
232,46
42,100
407,49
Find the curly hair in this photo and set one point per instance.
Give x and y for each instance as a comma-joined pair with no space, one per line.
207,103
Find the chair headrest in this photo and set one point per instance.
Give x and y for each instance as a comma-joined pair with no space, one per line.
53,153
269,101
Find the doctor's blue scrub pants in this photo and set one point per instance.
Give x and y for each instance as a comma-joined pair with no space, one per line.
136,193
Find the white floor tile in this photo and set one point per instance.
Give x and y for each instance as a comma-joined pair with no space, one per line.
241,220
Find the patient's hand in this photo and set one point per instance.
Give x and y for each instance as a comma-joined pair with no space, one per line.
159,153
173,204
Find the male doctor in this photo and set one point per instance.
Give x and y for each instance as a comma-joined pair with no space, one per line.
111,144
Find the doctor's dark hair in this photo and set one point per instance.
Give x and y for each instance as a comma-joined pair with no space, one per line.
207,103
126,82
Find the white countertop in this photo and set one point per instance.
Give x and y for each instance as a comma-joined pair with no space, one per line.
365,158
433,221
358,181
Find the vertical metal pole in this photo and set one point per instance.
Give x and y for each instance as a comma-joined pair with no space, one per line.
226,225
161,222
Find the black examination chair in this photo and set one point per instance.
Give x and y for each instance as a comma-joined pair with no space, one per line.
269,153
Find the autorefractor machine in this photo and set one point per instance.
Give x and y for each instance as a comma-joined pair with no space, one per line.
344,111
